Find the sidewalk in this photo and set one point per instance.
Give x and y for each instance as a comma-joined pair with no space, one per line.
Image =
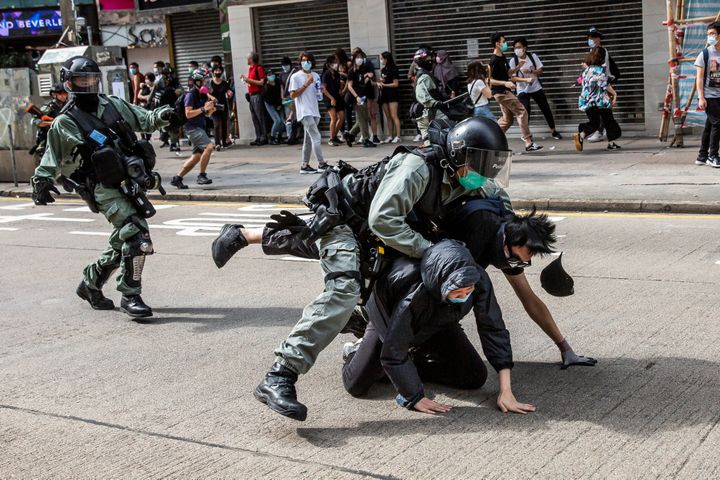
644,176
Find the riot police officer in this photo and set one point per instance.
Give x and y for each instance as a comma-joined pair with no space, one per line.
45,115
374,203
428,97
92,149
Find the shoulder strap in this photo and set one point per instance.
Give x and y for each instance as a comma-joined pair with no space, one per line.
532,59
471,90
706,59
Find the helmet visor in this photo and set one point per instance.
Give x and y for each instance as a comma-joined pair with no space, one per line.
85,82
493,164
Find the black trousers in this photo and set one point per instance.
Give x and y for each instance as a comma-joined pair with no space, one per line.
542,102
597,117
259,116
447,358
220,124
711,133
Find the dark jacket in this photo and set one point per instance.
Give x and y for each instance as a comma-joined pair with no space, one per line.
409,305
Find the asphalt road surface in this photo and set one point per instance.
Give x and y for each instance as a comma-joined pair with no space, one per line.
86,394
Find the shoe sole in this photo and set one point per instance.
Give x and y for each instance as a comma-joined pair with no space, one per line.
136,315
578,143
262,398
303,172
713,166
698,162
81,295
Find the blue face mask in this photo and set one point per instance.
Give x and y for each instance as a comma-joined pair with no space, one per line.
133,71
472,180
712,40
591,43
271,78
306,65
286,68
460,300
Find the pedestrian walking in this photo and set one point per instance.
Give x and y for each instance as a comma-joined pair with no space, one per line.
389,96
306,90
594,40
529,69
707,81
502,89
596,100
480,93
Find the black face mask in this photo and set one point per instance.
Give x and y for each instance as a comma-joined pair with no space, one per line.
87,102
217,75
555,280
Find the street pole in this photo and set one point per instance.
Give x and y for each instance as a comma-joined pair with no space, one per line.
12,154
67,12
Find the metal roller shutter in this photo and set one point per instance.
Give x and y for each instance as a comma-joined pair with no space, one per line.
318,27
196,36
555,31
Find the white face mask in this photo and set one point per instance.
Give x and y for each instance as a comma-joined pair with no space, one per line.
519,52
359,61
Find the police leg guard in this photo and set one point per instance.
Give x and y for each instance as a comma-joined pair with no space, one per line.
136,247
227,244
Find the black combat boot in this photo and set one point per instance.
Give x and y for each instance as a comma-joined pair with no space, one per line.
277,391
227,244
134,306
94,297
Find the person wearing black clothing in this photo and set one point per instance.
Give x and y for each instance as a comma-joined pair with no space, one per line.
332,86
272,94
292,126
219,88
389,96
360,85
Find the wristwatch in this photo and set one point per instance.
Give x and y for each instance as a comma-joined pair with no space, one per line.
202,110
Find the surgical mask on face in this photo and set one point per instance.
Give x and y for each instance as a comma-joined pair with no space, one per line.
306,65
460,300
711,40
271,78
383,62
359,61
505,46
133,71
190,69
519,52
156,70
438,60
472,180
286,68
591,43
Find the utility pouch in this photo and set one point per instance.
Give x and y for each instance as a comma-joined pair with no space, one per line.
145,150
108,167
84,189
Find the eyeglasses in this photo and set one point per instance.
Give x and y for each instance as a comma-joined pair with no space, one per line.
515,262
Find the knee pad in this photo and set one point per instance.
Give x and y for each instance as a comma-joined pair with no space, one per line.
136,238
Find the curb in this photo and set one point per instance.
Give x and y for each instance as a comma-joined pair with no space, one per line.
581,205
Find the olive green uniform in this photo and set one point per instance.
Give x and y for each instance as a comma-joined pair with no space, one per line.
406,179
63,137
424,85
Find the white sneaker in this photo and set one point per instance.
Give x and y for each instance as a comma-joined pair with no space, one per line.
360,140
387,140
597,136
396,140
417,138
340,137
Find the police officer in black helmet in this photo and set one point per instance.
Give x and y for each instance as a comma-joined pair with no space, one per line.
92,150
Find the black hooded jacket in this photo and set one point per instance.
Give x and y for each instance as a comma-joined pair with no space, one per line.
409,305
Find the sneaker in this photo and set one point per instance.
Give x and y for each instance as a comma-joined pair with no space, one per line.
340,137
701,160
360,140
218,148
417,138
307,169
533,147
396,140
322,167
349,139
613,146
597,136
578,142
388,140
228,243
255,143
713,161
368,143
177,181
331,142
375,139
174,148
349,348
203,179
358,322
164,144
556,135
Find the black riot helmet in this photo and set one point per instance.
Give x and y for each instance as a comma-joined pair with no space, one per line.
480,145
57,87
81,75
424,58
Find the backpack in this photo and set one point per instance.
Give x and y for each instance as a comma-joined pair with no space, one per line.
180,107
706,59
532,60
614,69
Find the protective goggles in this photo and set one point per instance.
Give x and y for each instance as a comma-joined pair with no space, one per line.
493,164
82,82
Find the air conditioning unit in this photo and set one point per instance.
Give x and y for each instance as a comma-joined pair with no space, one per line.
45,83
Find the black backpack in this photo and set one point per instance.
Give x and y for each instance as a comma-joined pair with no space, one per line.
180,107
532,60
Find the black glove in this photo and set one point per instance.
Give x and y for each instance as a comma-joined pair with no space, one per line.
171,117
42,186
571,358
288,221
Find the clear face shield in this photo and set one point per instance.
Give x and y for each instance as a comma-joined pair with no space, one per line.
82,83
490,164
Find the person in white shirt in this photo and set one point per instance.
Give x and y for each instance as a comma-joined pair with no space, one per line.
306,89
529,85
477,74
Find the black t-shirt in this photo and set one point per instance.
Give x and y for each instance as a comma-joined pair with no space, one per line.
500,71
219,91
389,75
332,83
360,84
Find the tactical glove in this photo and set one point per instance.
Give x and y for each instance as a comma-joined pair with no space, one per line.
42,186
571,358
171,117
286,220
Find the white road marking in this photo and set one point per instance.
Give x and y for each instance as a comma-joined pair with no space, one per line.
259,206
556,219
85,209
717,263
19,206
237,215
8,229
561,236
42,217
99,234
298,259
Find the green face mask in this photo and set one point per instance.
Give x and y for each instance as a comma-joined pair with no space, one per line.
472,180
505,47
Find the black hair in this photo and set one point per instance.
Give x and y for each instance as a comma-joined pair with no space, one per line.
309,56
160,64
193,63
477,70
522,41
342,56
218,67
133,64
286,61
388,58
536,232
714,25
216,59
150,76
495,37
